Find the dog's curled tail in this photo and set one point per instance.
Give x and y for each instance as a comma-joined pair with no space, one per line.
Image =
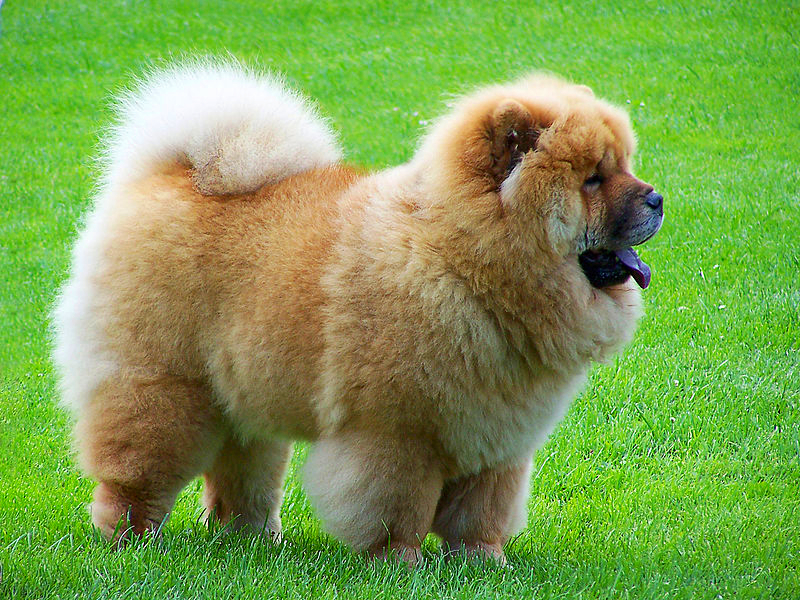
235,129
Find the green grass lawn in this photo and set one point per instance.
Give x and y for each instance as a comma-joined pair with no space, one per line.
675,474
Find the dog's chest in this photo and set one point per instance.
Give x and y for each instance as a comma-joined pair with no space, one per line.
491,429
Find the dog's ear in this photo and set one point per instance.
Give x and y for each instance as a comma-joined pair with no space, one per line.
512,132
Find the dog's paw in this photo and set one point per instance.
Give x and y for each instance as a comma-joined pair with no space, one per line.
482,551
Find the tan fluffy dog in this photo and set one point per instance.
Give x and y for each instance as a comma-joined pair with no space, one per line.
236,288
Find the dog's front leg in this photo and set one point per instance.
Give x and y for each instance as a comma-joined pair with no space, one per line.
478,513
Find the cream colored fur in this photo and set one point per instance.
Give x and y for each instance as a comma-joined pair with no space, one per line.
425,327
236,129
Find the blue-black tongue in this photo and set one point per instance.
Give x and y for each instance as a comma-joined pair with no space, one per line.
635,266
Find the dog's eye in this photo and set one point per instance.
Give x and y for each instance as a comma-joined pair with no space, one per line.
593,180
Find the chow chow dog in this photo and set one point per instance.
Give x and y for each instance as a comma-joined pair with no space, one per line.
237,287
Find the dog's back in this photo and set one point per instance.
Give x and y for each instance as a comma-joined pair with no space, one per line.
232,132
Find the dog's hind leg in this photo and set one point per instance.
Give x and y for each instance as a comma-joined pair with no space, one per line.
244,486
144,437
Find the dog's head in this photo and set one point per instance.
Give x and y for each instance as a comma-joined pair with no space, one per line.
557,163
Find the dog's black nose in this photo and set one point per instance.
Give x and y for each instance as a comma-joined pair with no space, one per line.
654,200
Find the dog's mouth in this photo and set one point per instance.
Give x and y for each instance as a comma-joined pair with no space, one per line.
604,268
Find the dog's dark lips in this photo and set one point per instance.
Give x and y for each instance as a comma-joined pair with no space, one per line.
604,268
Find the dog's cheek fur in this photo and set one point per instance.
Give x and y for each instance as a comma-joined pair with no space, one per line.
543,198
563,218
597,220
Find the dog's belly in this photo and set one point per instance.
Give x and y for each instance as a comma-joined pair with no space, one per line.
267,390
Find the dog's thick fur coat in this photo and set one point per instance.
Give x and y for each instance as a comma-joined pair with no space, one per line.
237,287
